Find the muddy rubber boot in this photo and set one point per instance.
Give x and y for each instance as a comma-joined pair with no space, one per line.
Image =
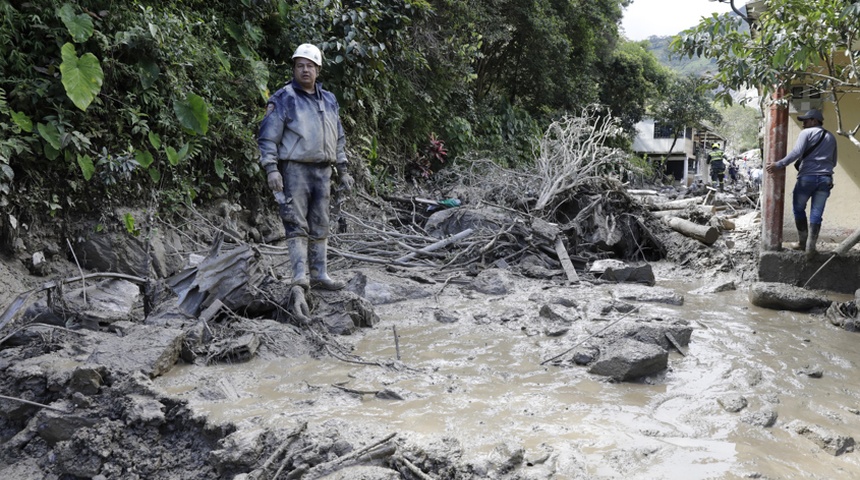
298,260
318,262
802,232
814,230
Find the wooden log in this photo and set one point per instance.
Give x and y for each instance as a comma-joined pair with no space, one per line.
677,204
703,233
565,261
706,209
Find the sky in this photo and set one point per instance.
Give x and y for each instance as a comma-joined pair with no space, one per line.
645,18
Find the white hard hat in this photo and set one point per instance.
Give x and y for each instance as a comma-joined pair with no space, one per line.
311,52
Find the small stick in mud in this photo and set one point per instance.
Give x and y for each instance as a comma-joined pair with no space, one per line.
80,270
396,341
4,397
590,336
413,469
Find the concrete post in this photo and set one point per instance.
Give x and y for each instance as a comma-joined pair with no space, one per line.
773,191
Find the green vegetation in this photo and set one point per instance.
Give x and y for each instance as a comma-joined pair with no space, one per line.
157,102
809,43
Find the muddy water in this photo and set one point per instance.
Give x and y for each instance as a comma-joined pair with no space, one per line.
480,380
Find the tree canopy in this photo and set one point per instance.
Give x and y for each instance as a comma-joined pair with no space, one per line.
803,42
159,101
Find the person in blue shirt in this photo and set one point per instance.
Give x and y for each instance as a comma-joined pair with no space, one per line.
815,152
302,142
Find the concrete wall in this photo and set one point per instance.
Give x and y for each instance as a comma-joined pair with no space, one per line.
842,214
842,274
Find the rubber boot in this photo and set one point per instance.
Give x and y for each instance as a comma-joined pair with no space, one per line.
802,232
317,251
298,260
814,230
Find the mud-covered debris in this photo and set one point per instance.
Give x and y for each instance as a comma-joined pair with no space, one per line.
765,418
779,296
629,359
647,294
733,403
831,442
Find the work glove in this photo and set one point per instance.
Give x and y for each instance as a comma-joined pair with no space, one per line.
346,182
275,181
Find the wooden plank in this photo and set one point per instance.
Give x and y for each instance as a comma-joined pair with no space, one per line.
564,258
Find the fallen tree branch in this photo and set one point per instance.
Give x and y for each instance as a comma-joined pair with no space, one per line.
21,400
436,246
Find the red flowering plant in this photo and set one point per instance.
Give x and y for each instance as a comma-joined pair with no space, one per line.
430,159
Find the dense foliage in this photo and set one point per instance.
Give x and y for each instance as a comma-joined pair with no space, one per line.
809,43
157,102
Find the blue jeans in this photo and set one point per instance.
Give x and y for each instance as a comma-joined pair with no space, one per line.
815,187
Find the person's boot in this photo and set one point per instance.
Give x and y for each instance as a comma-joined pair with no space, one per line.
814,230
298,260
317,251
802,232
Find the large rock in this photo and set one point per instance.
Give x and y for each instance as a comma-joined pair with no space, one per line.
122,252
779,296
828,441
628,359
618,271
151,350
493,281
381,293
101,304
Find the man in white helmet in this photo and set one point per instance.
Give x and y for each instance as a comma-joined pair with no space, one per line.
301,141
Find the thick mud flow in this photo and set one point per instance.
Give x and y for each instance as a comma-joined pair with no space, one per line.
759,394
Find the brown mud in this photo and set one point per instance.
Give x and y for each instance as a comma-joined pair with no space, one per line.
756,393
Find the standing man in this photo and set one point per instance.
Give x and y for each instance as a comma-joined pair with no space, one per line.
815,153
718,167
301,140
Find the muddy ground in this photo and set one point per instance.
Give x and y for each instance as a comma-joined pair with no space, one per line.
454,380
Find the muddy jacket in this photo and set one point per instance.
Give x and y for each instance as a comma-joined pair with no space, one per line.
301,127
820,161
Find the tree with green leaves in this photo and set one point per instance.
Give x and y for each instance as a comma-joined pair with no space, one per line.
685,104
803,42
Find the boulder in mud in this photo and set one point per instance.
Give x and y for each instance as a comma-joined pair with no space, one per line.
830,442
779,296
151,350
617,271
493,281
384,292
629,359
101,304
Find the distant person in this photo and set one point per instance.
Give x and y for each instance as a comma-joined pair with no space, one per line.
717,163
756,177
733,171
815,154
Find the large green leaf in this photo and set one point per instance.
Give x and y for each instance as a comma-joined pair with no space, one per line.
50,133
87,167
143,158
82,77
193,113
23,121
154,140
80,26
172,156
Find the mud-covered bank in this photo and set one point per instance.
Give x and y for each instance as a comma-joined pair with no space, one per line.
497,367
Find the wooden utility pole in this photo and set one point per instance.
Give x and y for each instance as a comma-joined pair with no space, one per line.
773,191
